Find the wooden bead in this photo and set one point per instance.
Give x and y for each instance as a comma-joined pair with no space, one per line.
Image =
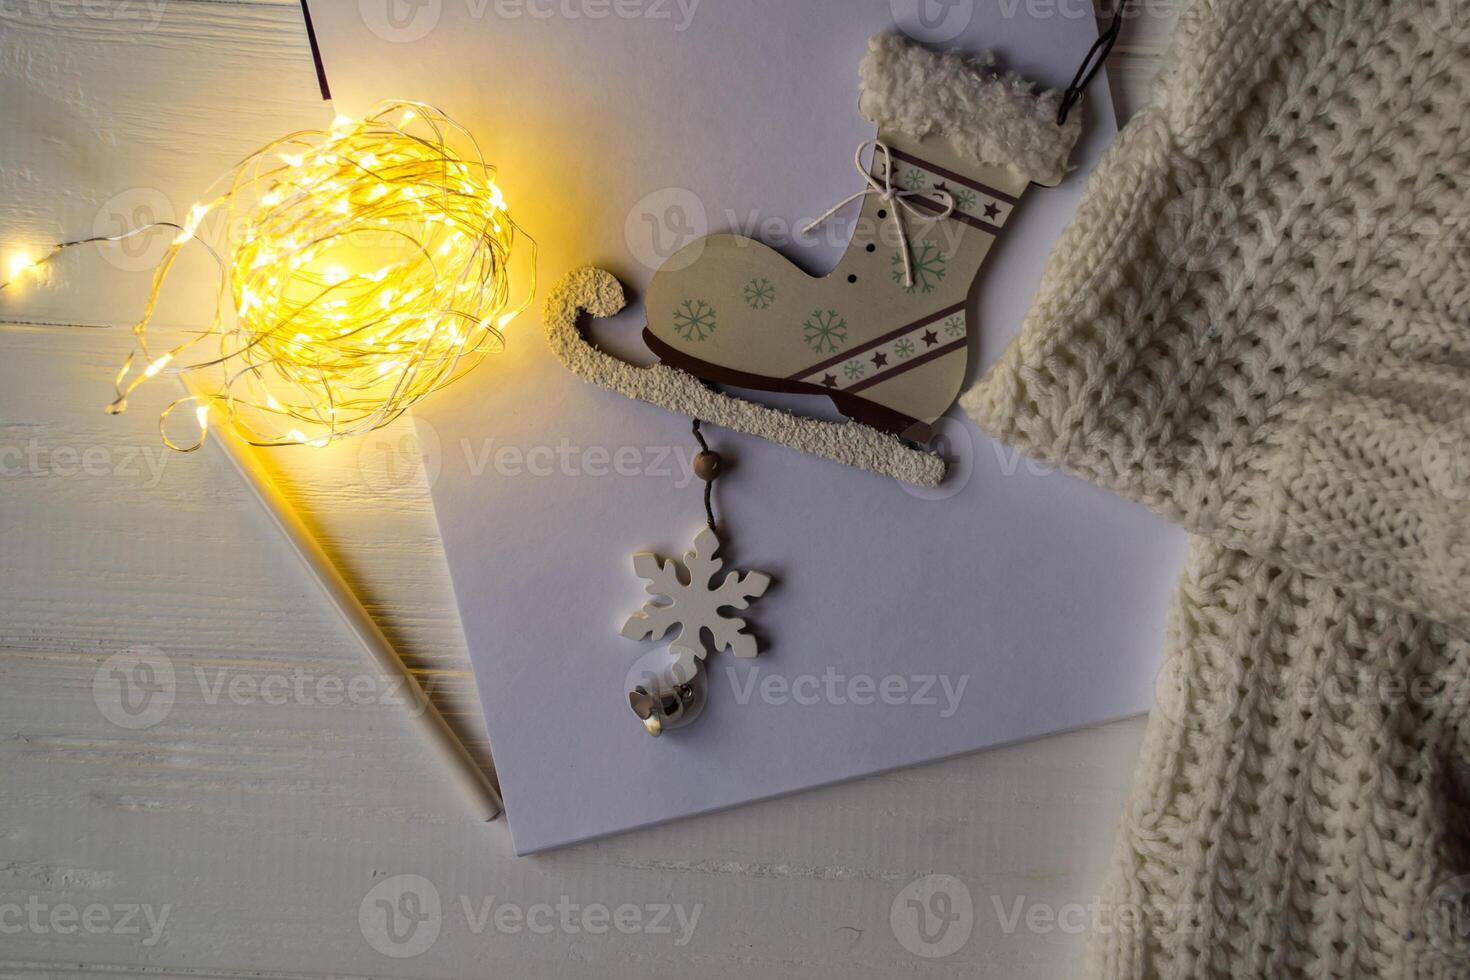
707,466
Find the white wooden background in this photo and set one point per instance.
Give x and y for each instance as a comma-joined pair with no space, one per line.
261,826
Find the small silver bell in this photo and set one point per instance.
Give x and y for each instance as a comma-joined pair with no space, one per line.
662,709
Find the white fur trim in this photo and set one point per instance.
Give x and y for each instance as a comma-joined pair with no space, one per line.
991,117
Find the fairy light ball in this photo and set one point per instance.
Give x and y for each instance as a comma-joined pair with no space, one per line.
361,269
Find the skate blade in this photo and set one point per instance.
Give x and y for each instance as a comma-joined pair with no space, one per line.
851,443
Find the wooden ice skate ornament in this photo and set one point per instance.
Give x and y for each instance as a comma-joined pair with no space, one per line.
886,336
598,293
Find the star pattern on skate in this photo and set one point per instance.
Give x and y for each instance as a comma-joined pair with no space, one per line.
971,200
893,353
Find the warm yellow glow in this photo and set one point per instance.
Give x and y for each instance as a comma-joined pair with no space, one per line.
363,268
151,371
21,264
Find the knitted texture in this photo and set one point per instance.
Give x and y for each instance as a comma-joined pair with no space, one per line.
1300,803
1259,322
1259,326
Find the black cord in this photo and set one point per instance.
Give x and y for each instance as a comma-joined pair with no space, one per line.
1097,55
709,485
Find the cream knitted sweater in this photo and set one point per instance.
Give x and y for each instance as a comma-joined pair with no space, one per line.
1259,326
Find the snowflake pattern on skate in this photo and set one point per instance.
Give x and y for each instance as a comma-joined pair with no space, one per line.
904,349
695,320
855,370
965,200
954,327
759,294
695,607
915,179
929,268
825,331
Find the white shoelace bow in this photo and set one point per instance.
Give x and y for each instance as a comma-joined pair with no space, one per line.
896,200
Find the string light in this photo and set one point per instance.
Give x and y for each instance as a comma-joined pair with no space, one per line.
361,269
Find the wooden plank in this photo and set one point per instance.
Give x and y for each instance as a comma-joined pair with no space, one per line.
127,115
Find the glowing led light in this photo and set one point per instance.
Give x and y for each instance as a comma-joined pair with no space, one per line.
304,350
20,265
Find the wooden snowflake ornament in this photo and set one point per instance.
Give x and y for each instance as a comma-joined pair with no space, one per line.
695,604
